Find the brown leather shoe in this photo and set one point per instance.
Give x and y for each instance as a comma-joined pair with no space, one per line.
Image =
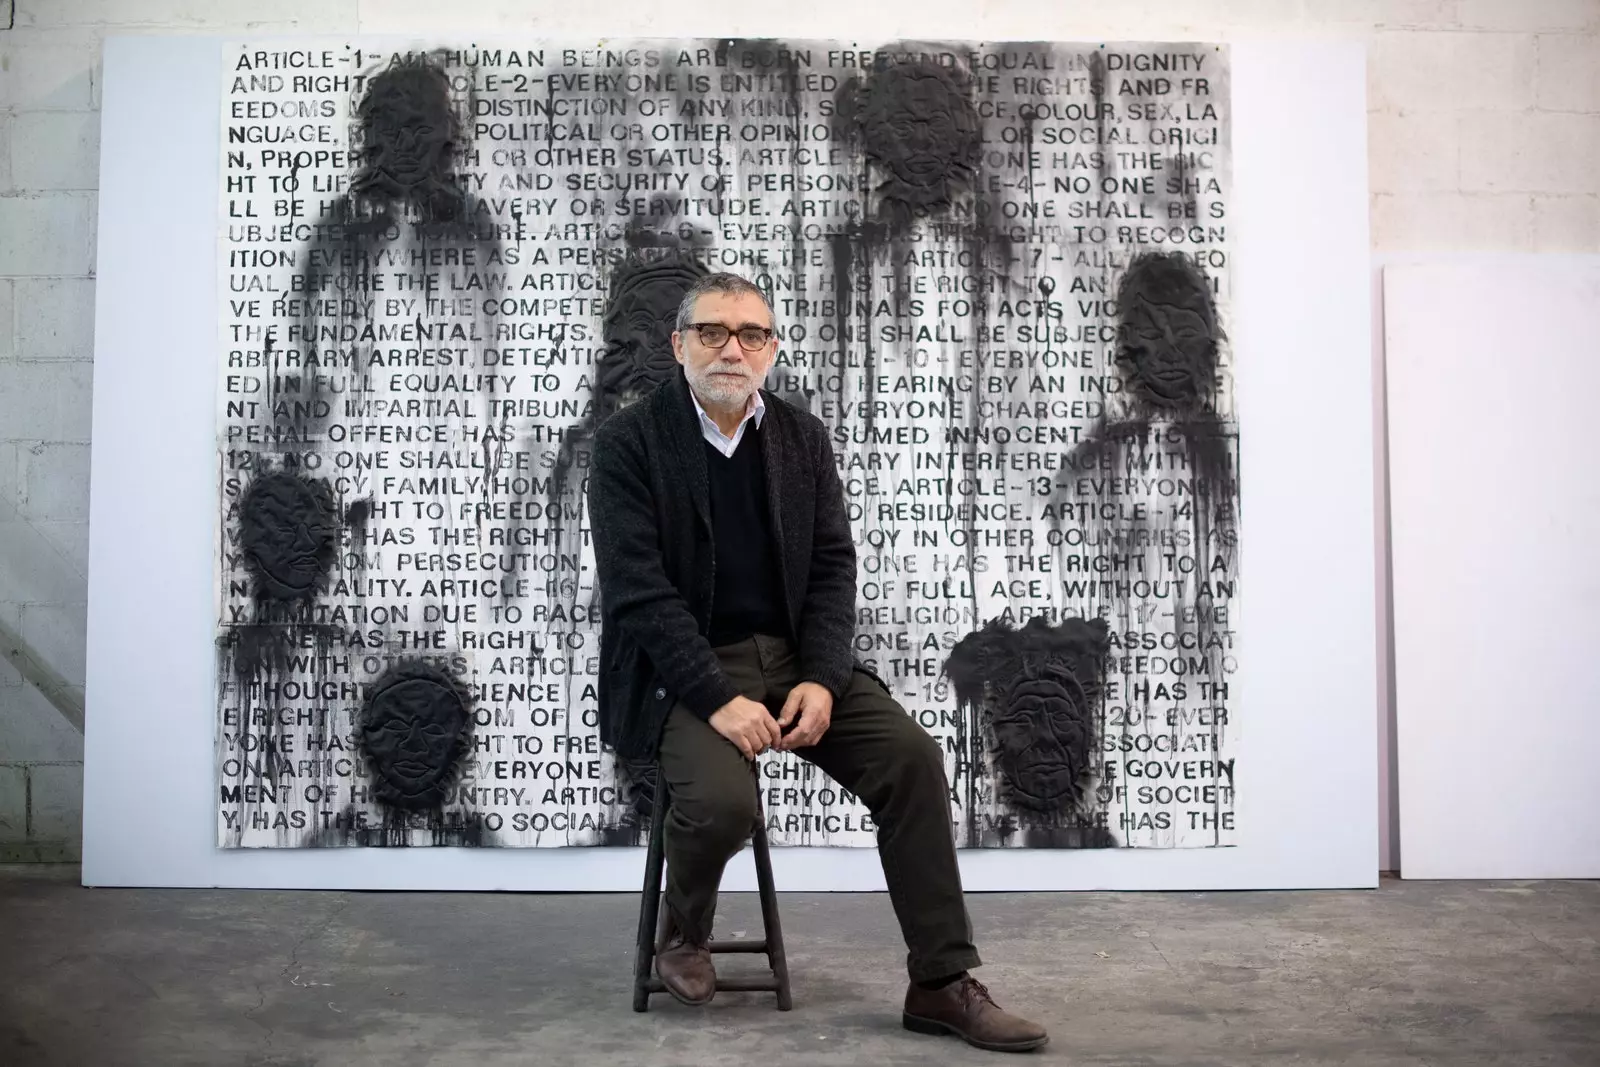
964,1008
685,969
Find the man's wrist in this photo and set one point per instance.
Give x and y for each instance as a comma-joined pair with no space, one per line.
835,682
711,696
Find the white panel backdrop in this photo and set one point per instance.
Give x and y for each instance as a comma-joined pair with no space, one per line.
1495,506
1307,680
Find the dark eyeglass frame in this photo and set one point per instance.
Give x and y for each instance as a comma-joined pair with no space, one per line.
742,332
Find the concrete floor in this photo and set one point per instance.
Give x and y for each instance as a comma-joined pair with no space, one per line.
1413,973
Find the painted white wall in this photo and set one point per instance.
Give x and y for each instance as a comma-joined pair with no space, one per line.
1484,135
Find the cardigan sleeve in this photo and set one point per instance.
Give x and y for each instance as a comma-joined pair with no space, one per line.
828,619
634,588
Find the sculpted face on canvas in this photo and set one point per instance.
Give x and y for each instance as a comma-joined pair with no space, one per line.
414,734
409,133
1038,690
1167,334
639,322
289,531
1042,736
919,127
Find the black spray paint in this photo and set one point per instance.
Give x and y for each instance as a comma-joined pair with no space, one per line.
1167,337
915,124
410,138
640,317
1166,423
413,735
288,532
405,196
645,291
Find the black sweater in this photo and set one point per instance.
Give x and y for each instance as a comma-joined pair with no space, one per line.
649,507
747,590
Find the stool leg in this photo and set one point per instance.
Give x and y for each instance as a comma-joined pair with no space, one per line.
650,901
769,905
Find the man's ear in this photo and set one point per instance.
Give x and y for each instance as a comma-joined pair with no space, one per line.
677,346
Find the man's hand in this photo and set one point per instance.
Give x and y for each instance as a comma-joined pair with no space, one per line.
748,724
812,705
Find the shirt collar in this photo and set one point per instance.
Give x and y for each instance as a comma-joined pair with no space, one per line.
755,408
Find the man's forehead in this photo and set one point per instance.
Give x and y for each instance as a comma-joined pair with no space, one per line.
732,309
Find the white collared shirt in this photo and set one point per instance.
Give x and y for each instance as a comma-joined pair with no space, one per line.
754,408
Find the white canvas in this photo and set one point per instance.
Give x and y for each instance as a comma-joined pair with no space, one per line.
1495,514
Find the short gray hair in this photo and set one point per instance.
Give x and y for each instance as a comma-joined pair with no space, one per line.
732,284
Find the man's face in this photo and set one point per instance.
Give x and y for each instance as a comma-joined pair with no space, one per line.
727,376
411,732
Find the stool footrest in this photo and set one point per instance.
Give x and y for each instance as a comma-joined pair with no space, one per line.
763,984
738,946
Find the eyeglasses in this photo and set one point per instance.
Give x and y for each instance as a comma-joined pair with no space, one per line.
715,335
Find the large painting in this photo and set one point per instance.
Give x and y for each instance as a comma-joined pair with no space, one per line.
1000,274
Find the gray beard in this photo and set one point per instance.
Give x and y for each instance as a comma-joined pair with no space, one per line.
724,392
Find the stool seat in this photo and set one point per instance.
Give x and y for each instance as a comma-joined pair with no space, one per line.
652,927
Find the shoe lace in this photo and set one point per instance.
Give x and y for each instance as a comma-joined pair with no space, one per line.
679,939
976,990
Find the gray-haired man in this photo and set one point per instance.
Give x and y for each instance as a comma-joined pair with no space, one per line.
728,588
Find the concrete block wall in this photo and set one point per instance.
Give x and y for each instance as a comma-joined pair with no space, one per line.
1485,136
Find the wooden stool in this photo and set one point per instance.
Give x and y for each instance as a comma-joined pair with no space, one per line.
644,980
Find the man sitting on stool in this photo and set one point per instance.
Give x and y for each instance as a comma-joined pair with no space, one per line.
728,592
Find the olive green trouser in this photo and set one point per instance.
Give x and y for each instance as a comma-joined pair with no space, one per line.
873,749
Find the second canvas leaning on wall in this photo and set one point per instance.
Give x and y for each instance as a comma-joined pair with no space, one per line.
1000,275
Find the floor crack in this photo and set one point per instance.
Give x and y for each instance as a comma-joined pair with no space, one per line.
317,931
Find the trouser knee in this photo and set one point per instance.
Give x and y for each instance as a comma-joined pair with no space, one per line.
913,776
722,819
919,761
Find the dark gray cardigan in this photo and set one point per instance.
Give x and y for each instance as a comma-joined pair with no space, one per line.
649,507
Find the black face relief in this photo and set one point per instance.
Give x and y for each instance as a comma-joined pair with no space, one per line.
408,132
1038,688
919,127
1043,725
639,319
1167,334
289,531
414,733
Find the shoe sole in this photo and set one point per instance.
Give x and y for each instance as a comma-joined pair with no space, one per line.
917,1024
